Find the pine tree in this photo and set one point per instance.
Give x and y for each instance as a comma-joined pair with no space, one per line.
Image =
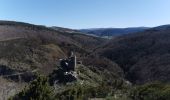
37,90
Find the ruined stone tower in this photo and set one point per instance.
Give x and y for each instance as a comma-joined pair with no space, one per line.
73,61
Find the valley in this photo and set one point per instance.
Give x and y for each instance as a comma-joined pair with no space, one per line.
108,68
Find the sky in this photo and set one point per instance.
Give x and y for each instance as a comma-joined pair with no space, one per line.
79,14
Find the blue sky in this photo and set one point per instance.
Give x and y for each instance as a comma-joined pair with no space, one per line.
87,13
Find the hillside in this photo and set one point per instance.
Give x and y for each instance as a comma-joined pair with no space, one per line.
26,46
26,49
144,57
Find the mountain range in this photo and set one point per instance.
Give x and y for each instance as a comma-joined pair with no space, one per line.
112,32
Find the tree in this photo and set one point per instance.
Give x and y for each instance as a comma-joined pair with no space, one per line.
39,89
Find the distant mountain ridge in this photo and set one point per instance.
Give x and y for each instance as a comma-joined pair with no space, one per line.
162,27
61,29
112,31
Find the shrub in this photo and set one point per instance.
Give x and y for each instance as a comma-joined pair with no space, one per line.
152,91
39,89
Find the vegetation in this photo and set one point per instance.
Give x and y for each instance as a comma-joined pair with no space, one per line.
152,91
39,89
79,91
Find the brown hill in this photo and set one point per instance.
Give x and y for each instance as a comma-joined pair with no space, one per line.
26,46
144,57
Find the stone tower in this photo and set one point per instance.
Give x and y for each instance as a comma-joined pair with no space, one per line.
72,61
75,62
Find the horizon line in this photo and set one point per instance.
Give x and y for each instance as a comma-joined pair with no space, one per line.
142,26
